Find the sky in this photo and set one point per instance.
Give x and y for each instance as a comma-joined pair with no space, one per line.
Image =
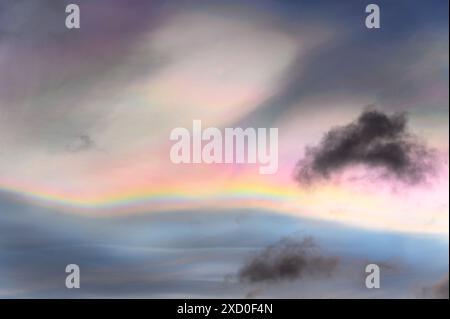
86,178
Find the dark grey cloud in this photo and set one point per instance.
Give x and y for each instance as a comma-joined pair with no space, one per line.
375,140
440,289
81,143
84,143
288,259
434,289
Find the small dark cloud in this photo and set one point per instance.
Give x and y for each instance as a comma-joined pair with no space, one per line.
375,140
81,143
435,290
440,289
288,259
254,293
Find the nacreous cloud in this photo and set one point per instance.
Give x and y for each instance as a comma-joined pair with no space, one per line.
440,289
376,141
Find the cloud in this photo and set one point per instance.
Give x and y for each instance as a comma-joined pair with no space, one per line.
254,293
42,106
391,80
160,261
375,140
435,290
440,289
81,143
288,259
